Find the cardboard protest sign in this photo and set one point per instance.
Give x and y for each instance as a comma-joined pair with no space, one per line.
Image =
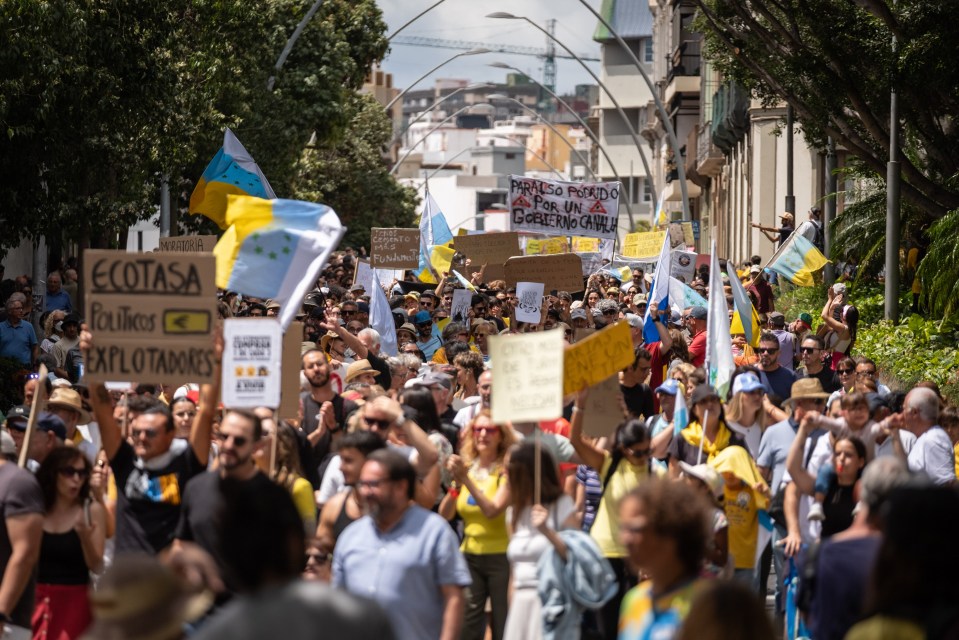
599,356
252,351
460,306
394,248
683,265
290,371
528,385
152,315
582,334
188,244
643,245
491,249
563,271
689,236
529,304
603,412
554,208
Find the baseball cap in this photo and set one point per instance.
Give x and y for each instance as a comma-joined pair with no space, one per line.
806,319
698,313
634,320
676,319
71,319
357,287
746,382
422,317
669,387
19,414
50,422
577,313
703,392
755,269
706,474
639,299
430,379
777,318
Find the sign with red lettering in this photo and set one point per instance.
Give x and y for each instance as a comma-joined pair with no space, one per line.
552,207
151,314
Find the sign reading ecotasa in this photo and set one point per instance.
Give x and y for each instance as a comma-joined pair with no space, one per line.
586,209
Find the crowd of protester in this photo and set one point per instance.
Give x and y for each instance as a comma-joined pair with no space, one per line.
393,505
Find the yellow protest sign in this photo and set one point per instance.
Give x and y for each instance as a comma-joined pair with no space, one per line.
593,359
643,245
555,245
585,245
534,247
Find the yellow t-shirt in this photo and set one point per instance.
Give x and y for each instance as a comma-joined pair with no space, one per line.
955,450
743,526
481,535
605,529
886,628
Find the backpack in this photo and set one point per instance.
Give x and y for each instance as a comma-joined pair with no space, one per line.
819,240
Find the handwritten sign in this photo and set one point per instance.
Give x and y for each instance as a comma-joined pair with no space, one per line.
555,245
252,349
460,306
290,371
527,378
188,244
563,271
491,249
585,245
534,247
589,209
393,248
602,413
151,315
592,360
643,245
529,304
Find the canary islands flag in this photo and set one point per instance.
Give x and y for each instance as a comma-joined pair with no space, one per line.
746,318
797,260
232,171
275,249
434,231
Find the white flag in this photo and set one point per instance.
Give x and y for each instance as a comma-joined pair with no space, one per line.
381,319
719,347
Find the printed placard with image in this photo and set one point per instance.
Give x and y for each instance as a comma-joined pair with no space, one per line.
529,304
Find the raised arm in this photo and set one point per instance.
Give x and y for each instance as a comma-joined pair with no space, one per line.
200,432
804,481
351,341
110,436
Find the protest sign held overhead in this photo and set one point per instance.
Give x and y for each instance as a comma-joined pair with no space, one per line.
592,360
152,313
460,306
393,248
683,265
562,271
491,249
252,349
188,244
602,410
589,209
643,244
528,385
529,296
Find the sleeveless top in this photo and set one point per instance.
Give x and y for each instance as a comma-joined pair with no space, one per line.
343,520
61,560
837,507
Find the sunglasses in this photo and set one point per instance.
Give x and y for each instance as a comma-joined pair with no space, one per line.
238,441
489,430
808,349
379,425
845,372
348,313
610,312
766,350
636,453
72,472
868,374
149,434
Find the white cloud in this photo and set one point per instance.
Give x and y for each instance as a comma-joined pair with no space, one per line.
465,20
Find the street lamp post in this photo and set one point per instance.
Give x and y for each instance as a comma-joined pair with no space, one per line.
586,129
289,43
471,52
428,133
667,123
414,19
622,114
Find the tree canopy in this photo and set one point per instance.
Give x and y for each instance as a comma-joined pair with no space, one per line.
99,99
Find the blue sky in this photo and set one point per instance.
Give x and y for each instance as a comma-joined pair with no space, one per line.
465,20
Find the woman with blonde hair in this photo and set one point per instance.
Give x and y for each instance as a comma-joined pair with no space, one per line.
469,366
51,333
480,331
480,494
744,412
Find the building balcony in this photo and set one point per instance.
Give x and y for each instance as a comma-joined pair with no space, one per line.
709,159
730,116
683,77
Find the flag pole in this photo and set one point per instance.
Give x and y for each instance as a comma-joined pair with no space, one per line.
699,456
34,407
537,464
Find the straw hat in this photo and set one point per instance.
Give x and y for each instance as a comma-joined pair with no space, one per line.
69,399
806,389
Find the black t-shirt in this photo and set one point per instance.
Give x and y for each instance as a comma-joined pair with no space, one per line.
199,517
826,376
639,400
149,500
19,495
383,378
319,454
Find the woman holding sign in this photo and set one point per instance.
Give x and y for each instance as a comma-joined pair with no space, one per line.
621,470
480,494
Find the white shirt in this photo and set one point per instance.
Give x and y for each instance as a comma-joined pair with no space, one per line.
933,455
752,435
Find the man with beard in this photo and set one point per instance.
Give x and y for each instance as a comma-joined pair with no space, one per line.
324,415
401,555
239,437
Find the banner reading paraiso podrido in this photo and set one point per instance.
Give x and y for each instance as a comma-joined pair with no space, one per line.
551,207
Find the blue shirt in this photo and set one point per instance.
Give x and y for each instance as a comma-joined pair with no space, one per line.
430,346
778,382
402,569
17,342
59,301
773,449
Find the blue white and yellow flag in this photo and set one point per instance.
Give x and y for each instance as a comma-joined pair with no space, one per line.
232,171
658,298
434,230
797,260
275,249
743,309
719,344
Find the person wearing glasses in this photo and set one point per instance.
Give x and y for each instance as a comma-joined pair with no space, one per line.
811,352
150,475
18,339
74,536
777,379
625,467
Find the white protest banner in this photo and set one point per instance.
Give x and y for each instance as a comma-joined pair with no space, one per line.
587,209
528,380
530,301
252,349
460,307
684,265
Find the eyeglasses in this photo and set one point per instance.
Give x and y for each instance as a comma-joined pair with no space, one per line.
426,303
33,376
868,374
636,453
238,441
73,472
808,349
348,313
845,372
487,429
610,312
379,425
149,434
766,350
371,484
480,334
423,325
